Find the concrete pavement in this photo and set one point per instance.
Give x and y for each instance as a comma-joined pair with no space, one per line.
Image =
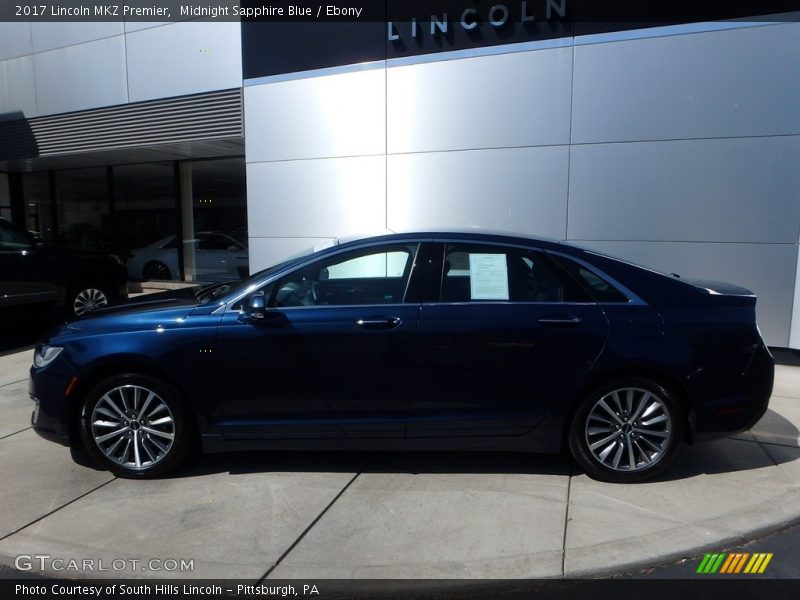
390,515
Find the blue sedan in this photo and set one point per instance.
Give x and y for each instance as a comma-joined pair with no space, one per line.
413,341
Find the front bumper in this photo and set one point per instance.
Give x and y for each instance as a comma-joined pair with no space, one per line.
50,416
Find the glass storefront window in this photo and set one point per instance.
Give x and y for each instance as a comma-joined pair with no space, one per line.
5,198
82,208
145,220
215,231
167,220
38,209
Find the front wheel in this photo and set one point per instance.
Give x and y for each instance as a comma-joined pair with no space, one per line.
626,431
136,426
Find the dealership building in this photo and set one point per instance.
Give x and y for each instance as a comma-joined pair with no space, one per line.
676,146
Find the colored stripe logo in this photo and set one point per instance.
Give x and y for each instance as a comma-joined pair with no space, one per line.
734,563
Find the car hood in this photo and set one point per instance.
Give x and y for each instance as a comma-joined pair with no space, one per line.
142,312
168,299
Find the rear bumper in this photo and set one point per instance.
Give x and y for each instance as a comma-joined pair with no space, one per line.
741,403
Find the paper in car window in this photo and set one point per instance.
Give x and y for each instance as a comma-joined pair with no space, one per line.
488,277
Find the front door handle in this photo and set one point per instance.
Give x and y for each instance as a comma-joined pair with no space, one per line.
388,323
560,321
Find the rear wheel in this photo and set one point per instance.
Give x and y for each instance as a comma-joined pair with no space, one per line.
136,426
626,431
156,269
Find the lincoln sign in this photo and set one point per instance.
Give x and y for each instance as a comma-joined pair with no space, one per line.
496,15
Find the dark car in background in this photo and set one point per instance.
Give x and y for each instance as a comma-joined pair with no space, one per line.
421,341
37,277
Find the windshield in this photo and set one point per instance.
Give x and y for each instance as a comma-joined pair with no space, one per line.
218,291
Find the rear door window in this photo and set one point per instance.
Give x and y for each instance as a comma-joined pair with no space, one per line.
489,273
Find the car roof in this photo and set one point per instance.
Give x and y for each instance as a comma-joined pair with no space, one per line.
482,235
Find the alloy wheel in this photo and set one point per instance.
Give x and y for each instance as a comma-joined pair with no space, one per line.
629,429
88,300
133,426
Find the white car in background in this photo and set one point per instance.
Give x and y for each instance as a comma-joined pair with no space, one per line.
218,257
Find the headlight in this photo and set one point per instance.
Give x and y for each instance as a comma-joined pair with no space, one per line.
45,354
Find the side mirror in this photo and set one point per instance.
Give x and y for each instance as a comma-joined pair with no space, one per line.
255,312
256,307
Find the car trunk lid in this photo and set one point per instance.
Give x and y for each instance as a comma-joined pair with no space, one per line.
724,293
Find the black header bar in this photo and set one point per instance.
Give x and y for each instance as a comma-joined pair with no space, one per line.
360,11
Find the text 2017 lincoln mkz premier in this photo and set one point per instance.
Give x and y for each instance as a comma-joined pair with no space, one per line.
413,341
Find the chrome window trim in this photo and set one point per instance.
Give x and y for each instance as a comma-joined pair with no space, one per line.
509,303
336,306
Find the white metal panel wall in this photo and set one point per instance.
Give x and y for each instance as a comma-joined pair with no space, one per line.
740,82
265,252
82,76
316,162
406,117
316,198
339,115
183,58
50,68
18,87
717,190
15,39
49,35
511,189
507,100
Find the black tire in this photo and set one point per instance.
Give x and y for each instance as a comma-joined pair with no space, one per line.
85,296
142,449
620,446
156,269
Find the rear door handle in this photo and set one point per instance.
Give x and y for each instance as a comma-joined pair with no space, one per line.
388,323
560,321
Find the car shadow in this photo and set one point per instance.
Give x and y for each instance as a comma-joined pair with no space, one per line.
411,462
743,452
727,455
786,356
773,429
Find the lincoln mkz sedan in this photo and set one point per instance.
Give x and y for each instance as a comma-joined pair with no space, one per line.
413,341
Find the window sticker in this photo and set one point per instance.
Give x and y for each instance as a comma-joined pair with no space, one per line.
488,277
